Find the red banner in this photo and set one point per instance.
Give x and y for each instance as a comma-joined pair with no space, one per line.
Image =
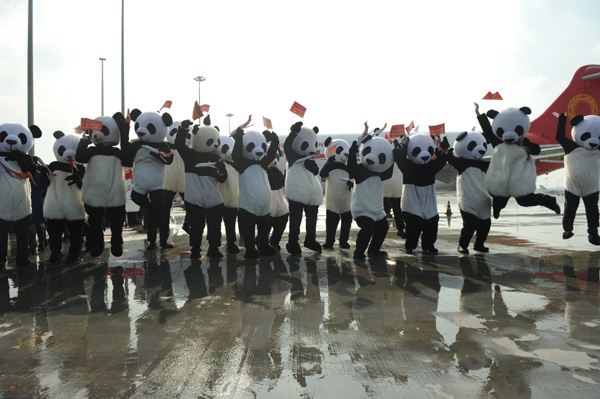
331,150
90,124
436,130
267,123
397,131
410,127
167,104
492,96
197,112
298,109
205,107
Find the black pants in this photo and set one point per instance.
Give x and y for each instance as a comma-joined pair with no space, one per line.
393,204
230,216
21,228
332,220
278,225
154,202
250,224
311,213
200,217
95,232
371,231
591,211
415,226
472,224
165,230
56,228
499,203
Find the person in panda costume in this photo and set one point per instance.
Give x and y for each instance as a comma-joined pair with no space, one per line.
15,211
338,192
104,185
419,159
474,201
512,168
280,211
252,154
303,188
582,171
203,173
174,178
230,190
392,195
150,155
63,205
376,161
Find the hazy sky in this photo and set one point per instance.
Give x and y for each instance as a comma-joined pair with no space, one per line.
345,61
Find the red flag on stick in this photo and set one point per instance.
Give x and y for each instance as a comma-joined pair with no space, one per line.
128,117
436,130
197,113
90,124
397,131
267,123
492,96
410,127
167,104
78,129
205,107
298,109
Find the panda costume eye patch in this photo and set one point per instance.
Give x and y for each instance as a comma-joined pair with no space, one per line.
304,146
471,145
61,150
210,142
104,131
264,147
225,148
3,135
382,158
519,129
250,147
416,151
430,150
23,138
339,150
366,150
586,136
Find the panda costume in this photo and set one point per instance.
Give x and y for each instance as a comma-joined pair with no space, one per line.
392,195
338,193
230,190
419,163
63,205
104,185
474,201
174,178
303,189
251,158
150,155
376,161
280,210
203,173
512,169
582,166
15,141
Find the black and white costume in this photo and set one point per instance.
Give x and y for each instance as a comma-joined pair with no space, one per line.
280,210
230,190
392,197
174,178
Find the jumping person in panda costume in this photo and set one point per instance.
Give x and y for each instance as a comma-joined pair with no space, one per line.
150,155
303,188
280,210
338,192
474,201
230,190
63,205
376,161
104,185
418,161
582,166
251,158
15,141
174,178
512,169
203,173
392,195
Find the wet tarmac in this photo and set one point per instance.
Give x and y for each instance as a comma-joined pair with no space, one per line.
522,321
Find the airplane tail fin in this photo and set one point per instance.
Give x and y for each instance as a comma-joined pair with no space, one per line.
581,97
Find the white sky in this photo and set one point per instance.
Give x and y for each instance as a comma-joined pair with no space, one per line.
346,61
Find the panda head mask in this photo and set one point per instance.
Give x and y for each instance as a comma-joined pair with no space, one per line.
173,132
275,162
17,137
205,138
376,155
109,134
255,145
421,148
586,131
511,124
226,148
470,145
65,147
342,149
305,140
151,127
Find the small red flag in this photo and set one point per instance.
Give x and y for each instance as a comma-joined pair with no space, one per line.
298,109
436,130
410,127
205,107
388,138
90,124
397,131
197,113
492,96
267,123
167,104
331,150
366,128
128,117
78,129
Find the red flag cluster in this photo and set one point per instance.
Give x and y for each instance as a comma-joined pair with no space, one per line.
492,96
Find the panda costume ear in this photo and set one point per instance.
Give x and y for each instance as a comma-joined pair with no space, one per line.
461,136
167,119
218,130
525,110
195,129
207,120
295,129
327,141
135,113
492,113
316,130
576,120
36,132
58,134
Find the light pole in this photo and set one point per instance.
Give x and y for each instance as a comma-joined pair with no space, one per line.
229,115
123,57
30,120
102,88
199,79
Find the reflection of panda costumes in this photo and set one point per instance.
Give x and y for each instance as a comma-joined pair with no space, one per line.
376,161
230,190
174,178
338,192
280,210
63,205
151,153
104,183
392,196
203,173
419,203
251,159
582,166
474,201
512,169
302,188
15,141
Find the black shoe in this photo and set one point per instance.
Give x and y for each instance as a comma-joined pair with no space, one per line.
267,250
166,245
293,248
344,245
214,253
401,234
96,250
481,248
313,245
116,250
72,258
463,250
377,254
409,251
496,213
359,256
232,248
555,207
328,245
567,235
431,249
594,239
151,247
55,256
195,255
251,253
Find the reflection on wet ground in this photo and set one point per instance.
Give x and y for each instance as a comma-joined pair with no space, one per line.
158,324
